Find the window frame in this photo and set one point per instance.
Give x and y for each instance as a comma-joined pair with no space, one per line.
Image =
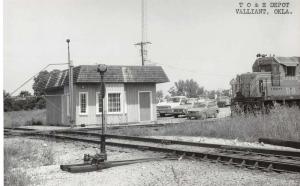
97,103
294,71
121,102
87,103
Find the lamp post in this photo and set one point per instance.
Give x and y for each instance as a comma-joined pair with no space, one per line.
102,68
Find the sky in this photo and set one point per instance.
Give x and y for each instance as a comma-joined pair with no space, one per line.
191,39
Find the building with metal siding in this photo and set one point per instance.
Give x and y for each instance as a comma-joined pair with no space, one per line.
130,95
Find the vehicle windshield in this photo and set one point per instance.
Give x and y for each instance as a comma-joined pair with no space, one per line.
174,100
199,105
189,102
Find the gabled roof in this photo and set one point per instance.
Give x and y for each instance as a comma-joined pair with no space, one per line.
114,74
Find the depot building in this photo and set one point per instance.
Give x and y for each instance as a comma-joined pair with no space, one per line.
130,95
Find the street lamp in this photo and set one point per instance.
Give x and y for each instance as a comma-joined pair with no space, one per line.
102,68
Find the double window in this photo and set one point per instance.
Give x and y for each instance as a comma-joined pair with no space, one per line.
83,102
114,103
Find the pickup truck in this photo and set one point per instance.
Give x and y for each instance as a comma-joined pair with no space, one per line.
164,108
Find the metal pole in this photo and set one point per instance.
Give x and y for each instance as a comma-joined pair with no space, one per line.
142,53
70,86
102,144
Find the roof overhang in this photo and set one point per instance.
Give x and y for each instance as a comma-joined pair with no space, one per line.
288,61
289,64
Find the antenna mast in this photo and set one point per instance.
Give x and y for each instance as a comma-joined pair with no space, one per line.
143,42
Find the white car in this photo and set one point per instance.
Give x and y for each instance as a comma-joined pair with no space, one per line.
203,110
164,108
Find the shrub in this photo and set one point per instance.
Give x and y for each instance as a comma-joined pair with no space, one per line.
21,155
19,118
281,122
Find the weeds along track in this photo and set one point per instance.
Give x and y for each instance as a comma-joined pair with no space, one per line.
251,158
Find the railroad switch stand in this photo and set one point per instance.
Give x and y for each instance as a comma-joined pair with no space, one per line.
96,159
94,163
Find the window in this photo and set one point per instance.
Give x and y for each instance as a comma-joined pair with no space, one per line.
98,103
83,101
114,102
290,71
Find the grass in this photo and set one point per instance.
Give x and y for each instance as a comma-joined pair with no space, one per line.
20,118
19,155
281,123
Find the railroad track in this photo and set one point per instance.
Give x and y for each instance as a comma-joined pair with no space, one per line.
251,158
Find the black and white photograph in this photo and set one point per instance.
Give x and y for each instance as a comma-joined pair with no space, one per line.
151,92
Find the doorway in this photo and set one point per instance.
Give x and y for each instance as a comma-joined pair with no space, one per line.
145,106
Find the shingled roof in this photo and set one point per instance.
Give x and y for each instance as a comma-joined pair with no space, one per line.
114,74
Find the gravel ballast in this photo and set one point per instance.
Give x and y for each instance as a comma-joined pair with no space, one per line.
168,172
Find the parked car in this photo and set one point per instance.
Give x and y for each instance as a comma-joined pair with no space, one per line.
203,110
223,101
183,107
164,108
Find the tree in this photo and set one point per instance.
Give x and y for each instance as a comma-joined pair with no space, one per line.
8,102
167,97
40,103
159,96
24,94
40,82
211,94
226,92
192,89
189,88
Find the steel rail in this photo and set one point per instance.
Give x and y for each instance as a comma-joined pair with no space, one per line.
225,158
279,142
187,143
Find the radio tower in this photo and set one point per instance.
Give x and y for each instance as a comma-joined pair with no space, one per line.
143,42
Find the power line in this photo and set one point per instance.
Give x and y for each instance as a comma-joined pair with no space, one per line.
36,75
191,71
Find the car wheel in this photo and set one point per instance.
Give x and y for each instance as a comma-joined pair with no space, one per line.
162,115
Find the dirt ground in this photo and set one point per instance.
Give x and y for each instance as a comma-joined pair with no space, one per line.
169,172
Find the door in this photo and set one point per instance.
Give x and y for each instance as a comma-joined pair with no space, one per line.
145,106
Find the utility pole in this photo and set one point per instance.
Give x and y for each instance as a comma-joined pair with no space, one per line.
71,97
143,43
143,51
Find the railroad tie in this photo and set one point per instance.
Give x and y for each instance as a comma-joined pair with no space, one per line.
228,162
217,160
269,168
255,166
242,164
205,157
